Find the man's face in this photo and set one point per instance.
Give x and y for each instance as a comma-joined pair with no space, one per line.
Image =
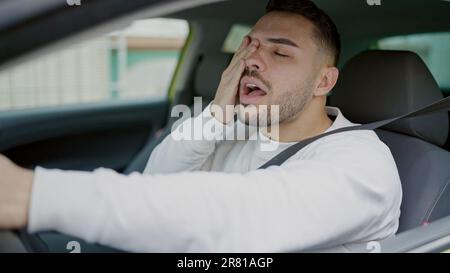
284,66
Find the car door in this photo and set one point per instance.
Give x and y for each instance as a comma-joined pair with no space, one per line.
80,137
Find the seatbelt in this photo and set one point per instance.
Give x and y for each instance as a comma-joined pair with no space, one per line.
438,106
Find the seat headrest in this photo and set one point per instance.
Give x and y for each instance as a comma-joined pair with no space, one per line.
208,74
380,84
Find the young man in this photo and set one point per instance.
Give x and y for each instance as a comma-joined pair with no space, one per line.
208,194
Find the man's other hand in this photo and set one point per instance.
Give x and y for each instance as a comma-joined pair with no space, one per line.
15,192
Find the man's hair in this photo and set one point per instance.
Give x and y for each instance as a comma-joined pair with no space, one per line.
325,33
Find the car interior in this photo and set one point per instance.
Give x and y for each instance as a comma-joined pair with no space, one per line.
374,84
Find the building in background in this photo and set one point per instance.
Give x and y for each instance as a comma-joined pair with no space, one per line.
136,62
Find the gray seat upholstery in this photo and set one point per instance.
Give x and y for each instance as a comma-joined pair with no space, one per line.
376,85
208,74
206,78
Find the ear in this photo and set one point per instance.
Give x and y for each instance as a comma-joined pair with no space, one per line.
327,80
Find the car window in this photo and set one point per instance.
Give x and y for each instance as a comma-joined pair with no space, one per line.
234,37
131,63
433,48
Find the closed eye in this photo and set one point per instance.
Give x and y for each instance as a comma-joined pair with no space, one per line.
281,54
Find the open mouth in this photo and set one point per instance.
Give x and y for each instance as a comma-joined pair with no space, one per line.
251,90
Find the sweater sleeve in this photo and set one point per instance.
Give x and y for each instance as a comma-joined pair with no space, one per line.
189,145
345,192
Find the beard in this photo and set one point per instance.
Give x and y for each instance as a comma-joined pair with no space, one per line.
283,108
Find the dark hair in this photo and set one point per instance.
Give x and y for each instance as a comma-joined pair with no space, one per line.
325,30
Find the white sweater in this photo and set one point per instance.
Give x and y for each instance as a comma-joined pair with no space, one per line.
209,196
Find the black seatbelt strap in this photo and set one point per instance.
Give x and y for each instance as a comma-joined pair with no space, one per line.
438,106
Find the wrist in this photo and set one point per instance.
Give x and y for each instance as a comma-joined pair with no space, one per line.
23,197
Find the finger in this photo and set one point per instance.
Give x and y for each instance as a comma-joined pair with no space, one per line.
250,49
237,73
231,69
239,54
245,53
244,43
244,46
234,76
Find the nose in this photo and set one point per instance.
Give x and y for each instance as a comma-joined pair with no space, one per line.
254,60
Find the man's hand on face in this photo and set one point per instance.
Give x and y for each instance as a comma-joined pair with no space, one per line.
15,192
227,91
